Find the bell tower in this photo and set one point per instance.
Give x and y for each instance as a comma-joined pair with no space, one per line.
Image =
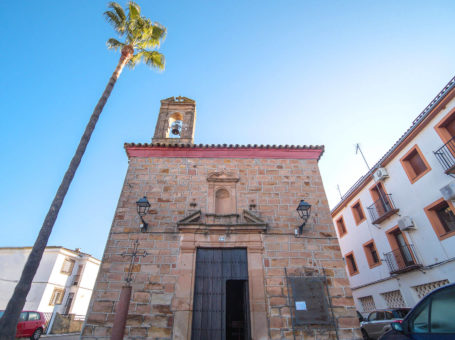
176,121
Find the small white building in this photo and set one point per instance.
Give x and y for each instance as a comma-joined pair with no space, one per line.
63,283
396,225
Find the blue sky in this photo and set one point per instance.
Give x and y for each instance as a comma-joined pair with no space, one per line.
267,72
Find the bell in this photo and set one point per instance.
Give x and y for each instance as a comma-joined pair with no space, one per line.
175,129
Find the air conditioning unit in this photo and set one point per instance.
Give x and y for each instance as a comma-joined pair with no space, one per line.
448,192
406,223
380,174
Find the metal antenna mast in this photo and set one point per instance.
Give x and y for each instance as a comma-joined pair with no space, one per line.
339,191
358,149
381,195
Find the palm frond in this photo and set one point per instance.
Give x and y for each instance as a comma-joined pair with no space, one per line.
154,59
114,44
140,32
134,11
116,17
152,36
119,10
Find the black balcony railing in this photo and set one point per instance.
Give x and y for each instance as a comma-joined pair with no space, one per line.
446,156
402,259
382,208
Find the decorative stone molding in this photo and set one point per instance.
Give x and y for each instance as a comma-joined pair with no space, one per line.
198,222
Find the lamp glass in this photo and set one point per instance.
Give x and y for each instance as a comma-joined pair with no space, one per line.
143,206
304,210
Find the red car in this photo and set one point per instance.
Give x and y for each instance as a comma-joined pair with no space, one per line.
31,324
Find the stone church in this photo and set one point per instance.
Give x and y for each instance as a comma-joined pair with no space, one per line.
207,243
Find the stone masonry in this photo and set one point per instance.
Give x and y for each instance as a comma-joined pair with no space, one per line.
269,183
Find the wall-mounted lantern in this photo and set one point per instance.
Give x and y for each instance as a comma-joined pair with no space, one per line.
304,210
143,206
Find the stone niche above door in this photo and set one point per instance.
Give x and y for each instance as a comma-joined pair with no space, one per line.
222,196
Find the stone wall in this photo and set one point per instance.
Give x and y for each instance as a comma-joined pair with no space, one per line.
175,187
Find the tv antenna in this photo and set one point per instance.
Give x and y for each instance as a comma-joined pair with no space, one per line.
339,191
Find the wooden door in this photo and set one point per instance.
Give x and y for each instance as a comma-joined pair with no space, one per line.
216,271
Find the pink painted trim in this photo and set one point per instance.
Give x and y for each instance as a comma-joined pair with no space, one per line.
185,152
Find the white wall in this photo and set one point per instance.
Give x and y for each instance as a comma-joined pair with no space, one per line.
85,288
12,261
410,199
47,278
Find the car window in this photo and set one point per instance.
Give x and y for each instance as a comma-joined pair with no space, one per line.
380,316
388,315
400,313
442,310
373,316
33,316
23,316
419,323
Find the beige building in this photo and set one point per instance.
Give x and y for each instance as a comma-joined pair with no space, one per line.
218,253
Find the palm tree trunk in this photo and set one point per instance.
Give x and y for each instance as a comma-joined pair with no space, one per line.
15,305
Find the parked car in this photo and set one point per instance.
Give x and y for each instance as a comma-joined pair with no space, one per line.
31,324
360,316
378,322
432,318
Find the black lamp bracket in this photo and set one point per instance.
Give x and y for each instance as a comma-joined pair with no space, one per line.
144,224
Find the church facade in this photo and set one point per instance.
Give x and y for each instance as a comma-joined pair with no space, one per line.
216,251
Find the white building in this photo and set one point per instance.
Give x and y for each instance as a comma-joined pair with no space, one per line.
63,283
396,225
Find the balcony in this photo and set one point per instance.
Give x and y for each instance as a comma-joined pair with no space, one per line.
382,209
402,259
446,156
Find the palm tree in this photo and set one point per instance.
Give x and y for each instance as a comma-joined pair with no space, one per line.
141,36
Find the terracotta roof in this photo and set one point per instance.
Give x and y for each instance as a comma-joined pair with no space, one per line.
227,146
415,124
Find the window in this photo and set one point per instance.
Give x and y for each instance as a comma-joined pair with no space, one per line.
371,254
57,297
341,227
367,303
69,301
33,316
442,320
442,218
352,265
446,127
414,164
357,212
435,315
67,267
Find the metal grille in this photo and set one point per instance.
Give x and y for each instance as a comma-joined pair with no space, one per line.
426,288
381,207
367,303
213,268
446,155
402,259
394,299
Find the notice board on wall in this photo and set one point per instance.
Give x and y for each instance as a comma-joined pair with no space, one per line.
308,299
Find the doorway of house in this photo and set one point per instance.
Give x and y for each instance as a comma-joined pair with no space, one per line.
221,303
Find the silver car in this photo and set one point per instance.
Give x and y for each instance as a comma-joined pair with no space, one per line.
378,322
